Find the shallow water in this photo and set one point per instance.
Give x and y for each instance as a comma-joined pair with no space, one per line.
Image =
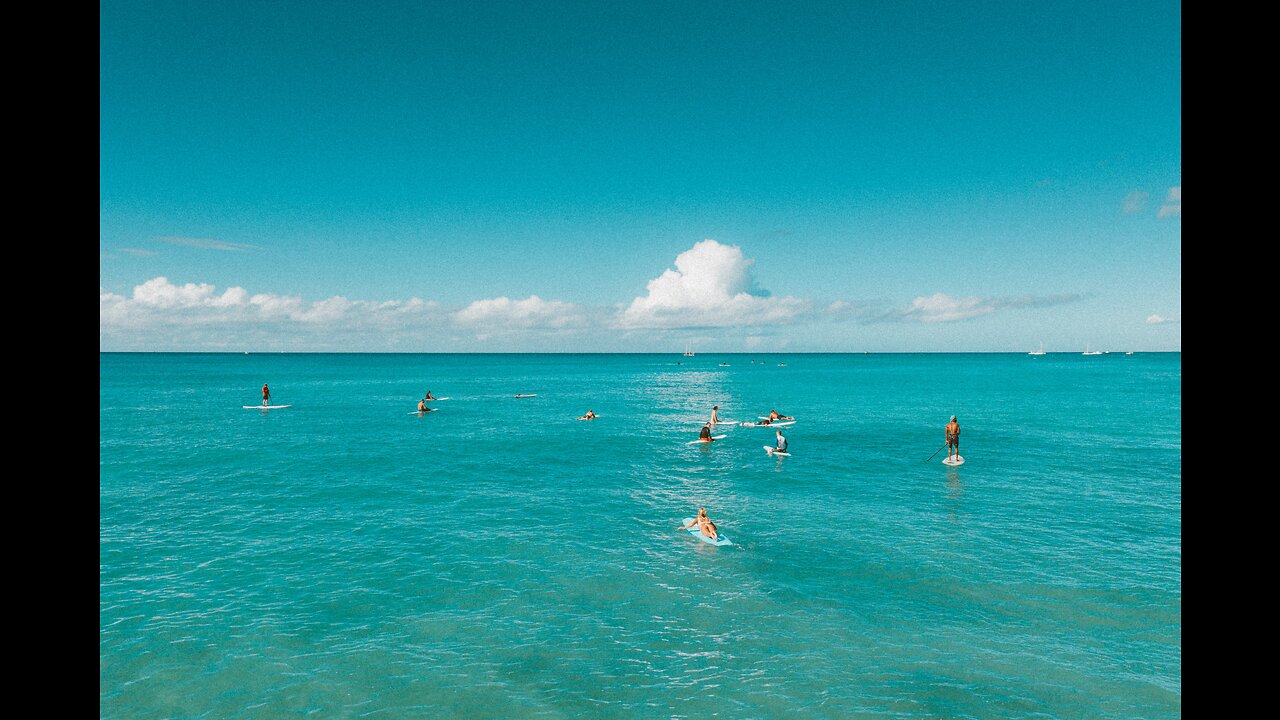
344,558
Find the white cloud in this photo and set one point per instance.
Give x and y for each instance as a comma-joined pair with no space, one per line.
504,314
711,286
1173,203
206,243
1135,201
163,312
1161,320
942,308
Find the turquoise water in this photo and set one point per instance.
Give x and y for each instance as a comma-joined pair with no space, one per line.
343,558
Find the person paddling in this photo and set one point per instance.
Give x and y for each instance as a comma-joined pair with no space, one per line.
953,438
705,526
591,415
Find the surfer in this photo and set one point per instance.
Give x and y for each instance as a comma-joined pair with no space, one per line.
428,397
591,415
773,415
705,434
422,406
953,437
715,414
266,395
782,442
704,524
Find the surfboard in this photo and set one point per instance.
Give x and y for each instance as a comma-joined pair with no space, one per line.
423,412
785,423
264,407
957,462
725,422
766,417
698,534
436,399
590,418
713,437
525,396
774,451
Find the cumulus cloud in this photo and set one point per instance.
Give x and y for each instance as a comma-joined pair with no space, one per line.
1172,203
1135,201
711,286
165,312
503,313
1161,320
206,243
943,308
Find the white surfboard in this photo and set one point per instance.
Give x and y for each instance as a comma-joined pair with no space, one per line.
264,407
725,422
766,417
436,399
525,396
713,437
698,534
774,451
785,423
957,461
423,412
597,417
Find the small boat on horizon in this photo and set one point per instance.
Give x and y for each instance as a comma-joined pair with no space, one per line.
1040,351
687,351
1087,351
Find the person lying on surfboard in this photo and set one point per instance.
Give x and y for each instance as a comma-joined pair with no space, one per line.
953,438
773,415
704,524
705,434
591,415
266,395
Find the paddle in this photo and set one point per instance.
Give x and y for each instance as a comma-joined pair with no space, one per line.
935,452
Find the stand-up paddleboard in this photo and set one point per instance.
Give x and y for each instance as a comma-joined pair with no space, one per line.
713,437
774,451
957,461
525,396
772,424
264,407
423,412
698,534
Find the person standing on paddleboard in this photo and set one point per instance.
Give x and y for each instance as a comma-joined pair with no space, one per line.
953,438
266,395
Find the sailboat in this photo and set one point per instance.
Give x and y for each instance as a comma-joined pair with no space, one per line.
1087,351
1040,351
687,351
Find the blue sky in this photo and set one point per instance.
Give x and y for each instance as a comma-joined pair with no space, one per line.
884,176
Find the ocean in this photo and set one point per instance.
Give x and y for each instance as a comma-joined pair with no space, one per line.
344,558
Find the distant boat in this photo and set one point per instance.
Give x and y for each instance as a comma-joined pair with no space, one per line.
687,351
724,364
782,364
1087,351
1129,353
1040,351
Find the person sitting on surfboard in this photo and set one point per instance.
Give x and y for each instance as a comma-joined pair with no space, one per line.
715,414
782,442
704,524
953,437
591,415
422,406
266,394
705,434
773,415
428,397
